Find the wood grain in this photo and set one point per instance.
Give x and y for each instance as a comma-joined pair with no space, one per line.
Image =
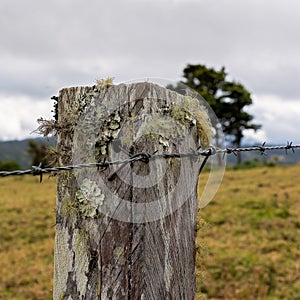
101,256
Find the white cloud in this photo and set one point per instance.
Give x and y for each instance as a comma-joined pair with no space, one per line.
280,119
252,137
18,116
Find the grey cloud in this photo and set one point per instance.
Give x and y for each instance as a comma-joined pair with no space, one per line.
156,37
51,44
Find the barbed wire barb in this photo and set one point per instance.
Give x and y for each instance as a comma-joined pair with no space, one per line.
147,157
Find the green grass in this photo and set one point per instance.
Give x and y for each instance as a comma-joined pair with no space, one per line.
248,242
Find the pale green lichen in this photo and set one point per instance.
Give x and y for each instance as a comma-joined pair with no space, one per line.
69,208
163,128
68,259
163,141
189,112
109,130
119,254
62,262
126,137
172,122
81,257
90,198
114,123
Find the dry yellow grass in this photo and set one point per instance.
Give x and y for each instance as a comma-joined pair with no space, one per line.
27,237
253,237
249,243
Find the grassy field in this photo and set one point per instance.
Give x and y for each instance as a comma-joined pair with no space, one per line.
27,217
251,240
248,239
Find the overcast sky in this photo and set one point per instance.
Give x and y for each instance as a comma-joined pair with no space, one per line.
47,45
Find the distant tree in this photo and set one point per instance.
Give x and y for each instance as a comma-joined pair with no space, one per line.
39,153
9,166
227,98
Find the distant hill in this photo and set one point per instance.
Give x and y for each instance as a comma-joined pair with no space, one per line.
17,151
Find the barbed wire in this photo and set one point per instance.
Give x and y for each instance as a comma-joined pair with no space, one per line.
147,157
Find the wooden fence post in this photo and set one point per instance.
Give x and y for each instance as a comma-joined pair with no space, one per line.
127,232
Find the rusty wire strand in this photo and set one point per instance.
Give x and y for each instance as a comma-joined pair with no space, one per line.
146,157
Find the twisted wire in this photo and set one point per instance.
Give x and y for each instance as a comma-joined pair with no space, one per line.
146,157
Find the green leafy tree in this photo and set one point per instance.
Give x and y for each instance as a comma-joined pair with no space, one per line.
227,98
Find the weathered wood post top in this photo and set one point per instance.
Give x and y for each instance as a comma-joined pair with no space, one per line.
127,230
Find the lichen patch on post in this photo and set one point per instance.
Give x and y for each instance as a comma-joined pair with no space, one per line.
119,254
62,260
190,112
108,131
81,260
90,198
